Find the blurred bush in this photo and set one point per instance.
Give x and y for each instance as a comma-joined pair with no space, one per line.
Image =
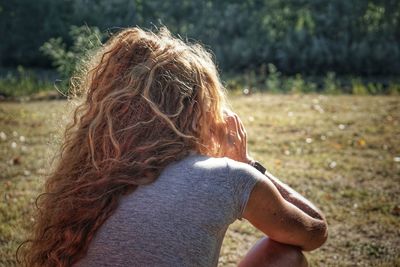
67,60
22,83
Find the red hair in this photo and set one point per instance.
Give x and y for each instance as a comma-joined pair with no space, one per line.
149,99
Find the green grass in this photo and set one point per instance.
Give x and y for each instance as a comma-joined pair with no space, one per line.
339,151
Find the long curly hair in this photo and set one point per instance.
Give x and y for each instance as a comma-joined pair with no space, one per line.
148,99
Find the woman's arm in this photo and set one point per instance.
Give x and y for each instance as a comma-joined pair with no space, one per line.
273,207
289,194
281,220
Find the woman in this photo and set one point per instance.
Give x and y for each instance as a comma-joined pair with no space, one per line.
154,168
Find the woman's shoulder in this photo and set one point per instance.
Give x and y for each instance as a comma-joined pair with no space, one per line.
208,162
218,164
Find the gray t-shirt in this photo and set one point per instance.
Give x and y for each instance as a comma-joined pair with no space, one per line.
178,220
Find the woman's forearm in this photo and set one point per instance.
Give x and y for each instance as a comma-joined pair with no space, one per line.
295,198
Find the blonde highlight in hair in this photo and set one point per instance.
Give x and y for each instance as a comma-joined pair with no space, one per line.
150,99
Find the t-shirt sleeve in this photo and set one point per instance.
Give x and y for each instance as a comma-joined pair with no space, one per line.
243,178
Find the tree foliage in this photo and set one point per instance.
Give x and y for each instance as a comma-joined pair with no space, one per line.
359,37
67,61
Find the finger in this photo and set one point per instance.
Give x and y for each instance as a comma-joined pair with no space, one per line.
243,131
232,121
231,130
240,123
243,134
229,120
239,127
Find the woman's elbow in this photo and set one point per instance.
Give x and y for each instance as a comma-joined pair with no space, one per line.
317,236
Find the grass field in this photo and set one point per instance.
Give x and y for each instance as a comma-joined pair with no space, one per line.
342,152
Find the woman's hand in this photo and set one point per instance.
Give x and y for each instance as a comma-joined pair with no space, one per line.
236,143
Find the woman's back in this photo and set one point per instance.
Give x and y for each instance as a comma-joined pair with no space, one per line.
178,220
